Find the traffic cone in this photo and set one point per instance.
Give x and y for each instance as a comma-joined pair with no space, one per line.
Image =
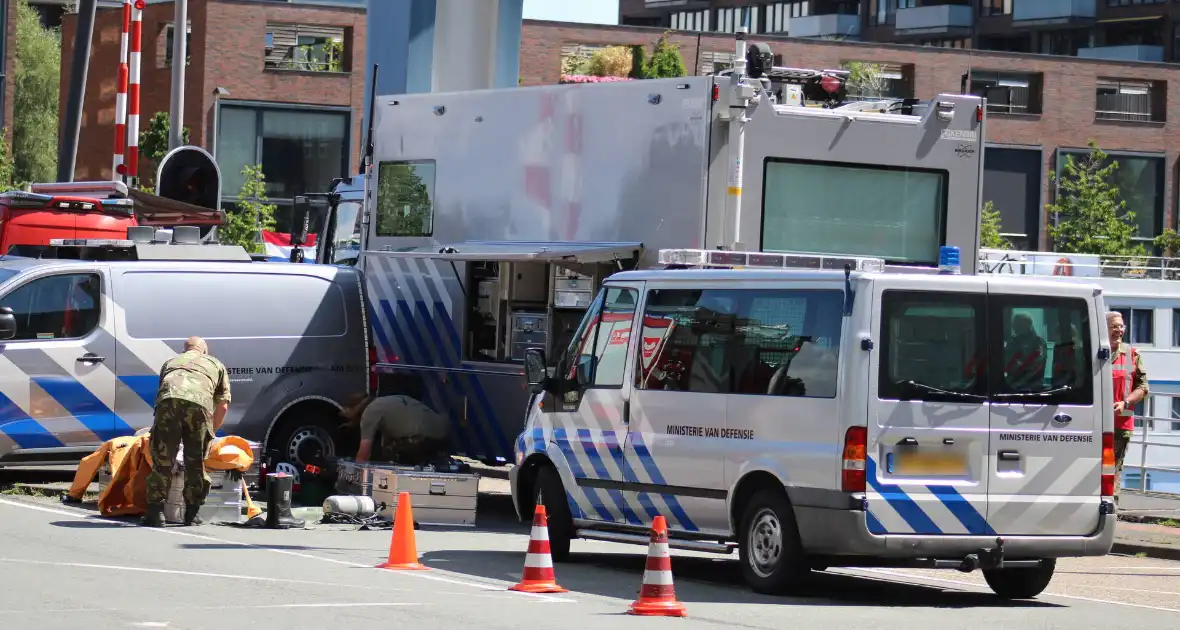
403,551
657,596
538,564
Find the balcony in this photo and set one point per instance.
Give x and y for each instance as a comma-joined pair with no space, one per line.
1123,53
936,19
830,25
1051,12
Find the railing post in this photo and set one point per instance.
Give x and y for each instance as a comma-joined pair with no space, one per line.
1143,460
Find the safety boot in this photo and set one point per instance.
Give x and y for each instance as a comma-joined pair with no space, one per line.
190,515
154,517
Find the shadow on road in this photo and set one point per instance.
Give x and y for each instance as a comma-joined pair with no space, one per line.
697,579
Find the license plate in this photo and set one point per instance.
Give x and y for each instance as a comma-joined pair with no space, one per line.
929,463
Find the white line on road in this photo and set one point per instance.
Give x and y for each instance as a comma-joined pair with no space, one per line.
55,611
911,576
78,514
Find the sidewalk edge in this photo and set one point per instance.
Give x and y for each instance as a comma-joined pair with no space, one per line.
1151,551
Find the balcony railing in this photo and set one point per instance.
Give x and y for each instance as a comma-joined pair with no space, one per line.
1053,11
828,25
1124,53
939,18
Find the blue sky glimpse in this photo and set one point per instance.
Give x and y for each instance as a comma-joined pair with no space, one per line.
592,11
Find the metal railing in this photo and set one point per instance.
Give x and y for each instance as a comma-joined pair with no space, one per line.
1141,438
1006,261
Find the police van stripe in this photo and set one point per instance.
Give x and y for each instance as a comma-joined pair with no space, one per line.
628,472
874,525
559,436
653,471
590,446
905,507
962,509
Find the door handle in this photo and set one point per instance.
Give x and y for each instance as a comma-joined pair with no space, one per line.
907,442
627,411
1063,418
91,358
1009,456
948,441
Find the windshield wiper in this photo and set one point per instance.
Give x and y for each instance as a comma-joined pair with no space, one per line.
942,392
1060,390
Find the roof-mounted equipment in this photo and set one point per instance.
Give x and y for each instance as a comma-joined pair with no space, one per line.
724,259
182,243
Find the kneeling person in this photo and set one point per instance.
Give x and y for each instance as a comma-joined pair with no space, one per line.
411,432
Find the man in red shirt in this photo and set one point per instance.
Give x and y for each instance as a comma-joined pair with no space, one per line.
1130,387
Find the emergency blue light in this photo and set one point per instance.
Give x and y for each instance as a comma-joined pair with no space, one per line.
948,259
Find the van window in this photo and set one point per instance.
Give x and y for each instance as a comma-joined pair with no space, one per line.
64,306
604,335
932,346
1042,346
770,342
175,305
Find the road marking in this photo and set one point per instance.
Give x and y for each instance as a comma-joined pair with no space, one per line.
56,611
1158,568
81,515
981,586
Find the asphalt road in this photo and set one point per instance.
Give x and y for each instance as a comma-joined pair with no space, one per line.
62,567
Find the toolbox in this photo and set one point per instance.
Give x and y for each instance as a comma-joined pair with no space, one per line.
223,504
437,498
356,479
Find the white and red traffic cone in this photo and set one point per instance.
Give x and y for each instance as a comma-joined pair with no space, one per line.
657,595
538,563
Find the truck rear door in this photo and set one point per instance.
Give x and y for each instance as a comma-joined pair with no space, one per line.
1045,461
928,413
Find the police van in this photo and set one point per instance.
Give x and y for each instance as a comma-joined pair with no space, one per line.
86,325
811,417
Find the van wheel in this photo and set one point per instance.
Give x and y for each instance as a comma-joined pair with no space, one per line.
771,555
549,492
303,438
1020,583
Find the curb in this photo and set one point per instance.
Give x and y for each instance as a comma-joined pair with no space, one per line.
1151,551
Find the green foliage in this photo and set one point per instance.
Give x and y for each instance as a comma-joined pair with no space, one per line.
403,202
638,53
153,141
35,103
1090,216
243,226
665,61
7,166
989,229
865,79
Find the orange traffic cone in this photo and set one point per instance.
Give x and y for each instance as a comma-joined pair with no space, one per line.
657,596
538,564
403,551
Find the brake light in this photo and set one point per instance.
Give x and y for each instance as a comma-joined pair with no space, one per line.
373,370
716,93
855,446
1108,464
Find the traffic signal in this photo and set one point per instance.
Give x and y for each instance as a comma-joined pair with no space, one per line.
190,175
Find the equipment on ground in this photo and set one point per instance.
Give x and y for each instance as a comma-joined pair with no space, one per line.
278,503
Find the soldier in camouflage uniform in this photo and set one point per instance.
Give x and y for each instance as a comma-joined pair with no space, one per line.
1130,387
190,407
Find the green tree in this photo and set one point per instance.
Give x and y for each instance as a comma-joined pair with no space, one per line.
1090,215
403,202
665,61
638,53
243,226
153,144
989,229
37,79
865,79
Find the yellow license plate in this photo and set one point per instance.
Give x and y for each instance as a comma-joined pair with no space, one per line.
927,463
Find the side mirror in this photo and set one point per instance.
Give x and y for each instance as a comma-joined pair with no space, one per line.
585,370
7,323
534,366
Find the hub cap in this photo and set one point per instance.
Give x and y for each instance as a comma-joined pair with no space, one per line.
309,445
766,542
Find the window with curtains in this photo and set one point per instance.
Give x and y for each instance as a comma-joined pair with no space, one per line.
820,207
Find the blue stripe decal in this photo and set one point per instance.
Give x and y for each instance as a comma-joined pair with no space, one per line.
25,431
586,441
616,450
144,385
901,502
962,509
443,355
503,445
875,526
653,471
576,468
80,403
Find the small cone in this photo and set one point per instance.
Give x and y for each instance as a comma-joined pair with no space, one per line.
538,564
403,551
657,596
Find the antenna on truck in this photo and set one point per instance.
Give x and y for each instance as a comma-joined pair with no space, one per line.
367,158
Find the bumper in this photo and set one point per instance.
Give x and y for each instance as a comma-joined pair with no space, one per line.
844,533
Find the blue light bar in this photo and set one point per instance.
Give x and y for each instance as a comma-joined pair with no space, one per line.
948,260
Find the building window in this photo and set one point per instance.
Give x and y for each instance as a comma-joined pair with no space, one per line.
1139,325
301,149
1175,414
169,42
1140,180
1130,3
303,47
884,12
1012,182
1176,327
1128,101
729,19
1007,93
1064,42
989,8
691,20
779,14
405,198
944,43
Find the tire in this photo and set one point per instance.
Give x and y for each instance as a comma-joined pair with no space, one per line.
549,492
1020,583
770,551
304,438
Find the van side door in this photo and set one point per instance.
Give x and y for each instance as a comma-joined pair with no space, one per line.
1045,460
928,413
58,372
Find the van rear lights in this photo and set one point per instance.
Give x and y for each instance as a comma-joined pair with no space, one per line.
373,370
855,447
1108,464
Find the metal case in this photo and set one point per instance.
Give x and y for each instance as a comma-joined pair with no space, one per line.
438,498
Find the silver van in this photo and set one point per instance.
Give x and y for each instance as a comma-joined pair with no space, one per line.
86,326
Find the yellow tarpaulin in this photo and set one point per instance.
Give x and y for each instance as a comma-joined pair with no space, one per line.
130,462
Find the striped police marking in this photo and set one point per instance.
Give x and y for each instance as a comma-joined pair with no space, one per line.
590,447
559,436
143,386
875,526
612,439
905,507
84,406
21,429
657,478
962,509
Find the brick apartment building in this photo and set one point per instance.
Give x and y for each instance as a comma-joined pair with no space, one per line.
292,117
284,82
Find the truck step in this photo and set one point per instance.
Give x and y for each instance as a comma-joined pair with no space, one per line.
640,539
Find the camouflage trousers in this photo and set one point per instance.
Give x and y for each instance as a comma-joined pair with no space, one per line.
179,422
1121,438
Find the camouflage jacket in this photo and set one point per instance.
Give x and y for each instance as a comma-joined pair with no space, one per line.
1138,372
195,377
